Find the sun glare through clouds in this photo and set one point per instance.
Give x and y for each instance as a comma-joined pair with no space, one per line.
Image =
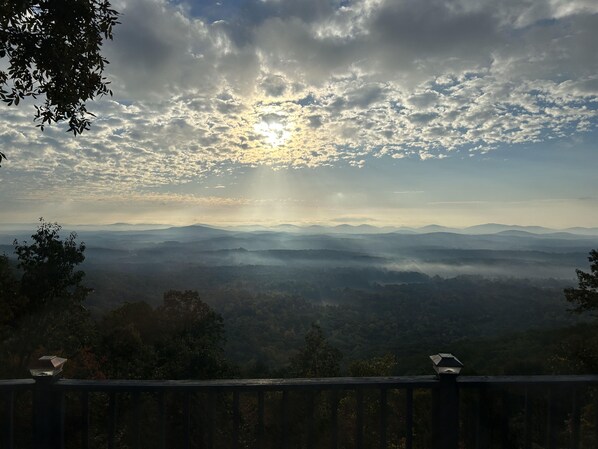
273,130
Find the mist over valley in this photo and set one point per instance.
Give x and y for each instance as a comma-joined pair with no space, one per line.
374,290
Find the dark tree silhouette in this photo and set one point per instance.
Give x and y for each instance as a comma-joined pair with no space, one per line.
10,298
585,296
52,50
317,358
45,303
48,265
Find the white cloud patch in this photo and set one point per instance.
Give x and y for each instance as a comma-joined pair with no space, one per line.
286,84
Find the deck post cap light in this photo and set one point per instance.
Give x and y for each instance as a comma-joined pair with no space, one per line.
445,363
47,366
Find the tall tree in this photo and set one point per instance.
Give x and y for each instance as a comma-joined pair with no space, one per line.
51,49
317,358
193,337
48,265
45,303
578,352
585,296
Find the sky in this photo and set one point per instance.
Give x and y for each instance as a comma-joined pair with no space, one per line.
384,112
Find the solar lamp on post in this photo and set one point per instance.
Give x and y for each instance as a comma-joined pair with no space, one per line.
47,402
446,401
446,364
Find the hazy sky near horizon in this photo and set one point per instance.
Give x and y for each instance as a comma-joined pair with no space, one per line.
398,112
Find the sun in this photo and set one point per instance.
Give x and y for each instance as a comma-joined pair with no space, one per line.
273,129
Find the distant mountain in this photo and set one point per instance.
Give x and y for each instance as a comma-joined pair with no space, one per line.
116,227
436,228
284,227
7,227
362,229
582,231
493,228
550,235
491,249
139,235
405,230
517,233
187,233
318,229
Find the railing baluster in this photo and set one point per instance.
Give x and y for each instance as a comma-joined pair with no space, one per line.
136,398
187,418
9,420
211,420
383,417
506,394
285,419
260,419
236,419
359,419
483,425
475,421
575,418
504,420
310,421
596,418
162,418
527,437
61,400
334,409
409,418
85,420
551,421
112,420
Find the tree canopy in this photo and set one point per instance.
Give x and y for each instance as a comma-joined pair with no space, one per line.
585,296
317,358
181,338
51,49
48,265
41,301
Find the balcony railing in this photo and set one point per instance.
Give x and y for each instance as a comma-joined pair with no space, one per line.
436,412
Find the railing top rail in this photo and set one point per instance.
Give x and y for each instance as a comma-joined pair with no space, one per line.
252,384
329,383
324,383
477,381
16,384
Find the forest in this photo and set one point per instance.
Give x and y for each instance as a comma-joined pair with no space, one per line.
256,320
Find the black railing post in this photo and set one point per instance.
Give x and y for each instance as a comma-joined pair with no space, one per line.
47,403
445,402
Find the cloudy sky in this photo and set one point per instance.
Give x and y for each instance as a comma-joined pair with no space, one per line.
402,112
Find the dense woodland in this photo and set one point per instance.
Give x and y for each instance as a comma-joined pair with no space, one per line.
367,328
258,323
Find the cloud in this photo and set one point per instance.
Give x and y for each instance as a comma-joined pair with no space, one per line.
335,82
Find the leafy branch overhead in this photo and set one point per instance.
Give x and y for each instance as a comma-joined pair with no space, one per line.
52,50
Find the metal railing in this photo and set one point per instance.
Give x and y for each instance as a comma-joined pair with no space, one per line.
437,412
